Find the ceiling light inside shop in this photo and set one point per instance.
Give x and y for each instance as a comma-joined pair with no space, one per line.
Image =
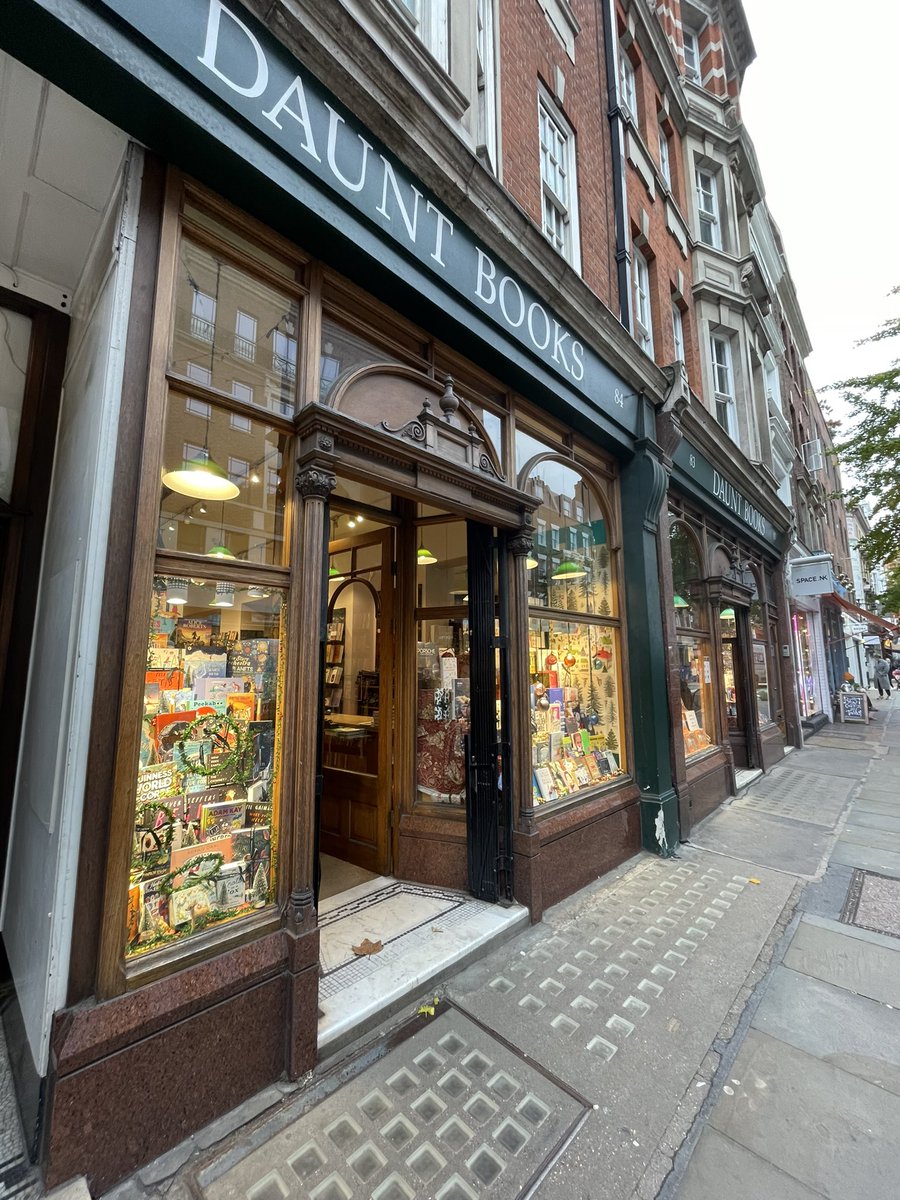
201,478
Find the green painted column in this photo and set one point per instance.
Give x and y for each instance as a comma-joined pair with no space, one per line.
644,486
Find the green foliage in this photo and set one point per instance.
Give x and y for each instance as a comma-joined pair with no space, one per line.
890,598
871,450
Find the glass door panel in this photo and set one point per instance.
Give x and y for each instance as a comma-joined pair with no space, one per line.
443,697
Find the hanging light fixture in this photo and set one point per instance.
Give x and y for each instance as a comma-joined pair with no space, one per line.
727,614
334,575
530,562
221,550
680,602
201,478
424,558
176,591
257,592
224,597
569,569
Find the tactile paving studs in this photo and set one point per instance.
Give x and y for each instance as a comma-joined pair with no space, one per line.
455,1133
332,1188
271,1187
511,1137
429,1062
398,1132
503,1085
367,1161
485,1165
403,1082
452,1043
394,1188
428,1106
343,1132
480,1108
453,1084
533,1110
564,1025
426,1162
476,1063
307,1161
375,1105
456,1189
501,985
602,1048
619,1025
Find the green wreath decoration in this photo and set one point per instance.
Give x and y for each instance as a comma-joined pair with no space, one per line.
232,737
167,882
155,806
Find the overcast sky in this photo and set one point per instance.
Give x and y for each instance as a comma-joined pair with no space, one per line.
821,103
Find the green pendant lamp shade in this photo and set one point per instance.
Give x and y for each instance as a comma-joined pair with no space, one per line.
568,569
202,479
424,558
680,602
334,575
219,552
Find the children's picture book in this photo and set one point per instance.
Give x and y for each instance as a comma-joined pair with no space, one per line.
179,700
191,632
156,782
181,858
166,678
204,664
163,658
187,904
230,886
241,706
546,783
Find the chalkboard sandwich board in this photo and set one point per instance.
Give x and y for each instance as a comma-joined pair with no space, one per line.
854,707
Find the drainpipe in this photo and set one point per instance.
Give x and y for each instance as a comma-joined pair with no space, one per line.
617,142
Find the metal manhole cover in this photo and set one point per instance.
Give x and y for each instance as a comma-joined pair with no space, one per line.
451,1112
873,903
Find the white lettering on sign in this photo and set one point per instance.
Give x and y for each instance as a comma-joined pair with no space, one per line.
352,164
735,502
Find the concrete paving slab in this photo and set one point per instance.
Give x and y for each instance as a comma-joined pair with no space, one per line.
855,959
826,896
853,855
451,1112
824,762
851,1032
832,1131
720,1166
797,796
628,983
866,801
752,837
871,838
875,820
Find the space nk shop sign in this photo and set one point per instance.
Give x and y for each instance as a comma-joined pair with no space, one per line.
233,56
812,576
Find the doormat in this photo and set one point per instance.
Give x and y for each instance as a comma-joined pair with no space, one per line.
873,903
388,913
451,1112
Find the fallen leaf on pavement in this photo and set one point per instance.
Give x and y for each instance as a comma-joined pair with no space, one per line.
367,947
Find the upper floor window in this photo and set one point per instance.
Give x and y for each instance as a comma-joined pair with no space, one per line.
723,382
558,185
708,208
284,353
691,55
430,20
627,88
665,167
245,336
678,332
203,316
643,322
486,80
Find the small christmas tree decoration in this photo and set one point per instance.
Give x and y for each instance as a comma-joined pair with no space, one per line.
260,888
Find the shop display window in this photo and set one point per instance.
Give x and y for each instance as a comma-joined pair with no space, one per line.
807,686
571,568
207,777
443,695
759,650
694,648
695,688
577,739
442,570
223,487
233,332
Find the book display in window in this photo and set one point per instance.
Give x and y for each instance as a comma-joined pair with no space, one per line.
207,776
576,732
334,662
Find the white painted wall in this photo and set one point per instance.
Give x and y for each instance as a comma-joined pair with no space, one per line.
39,893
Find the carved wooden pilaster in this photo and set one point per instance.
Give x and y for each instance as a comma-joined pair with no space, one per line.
314,485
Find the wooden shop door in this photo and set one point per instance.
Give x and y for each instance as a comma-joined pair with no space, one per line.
357,728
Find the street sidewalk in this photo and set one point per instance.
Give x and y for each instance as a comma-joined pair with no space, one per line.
693,1027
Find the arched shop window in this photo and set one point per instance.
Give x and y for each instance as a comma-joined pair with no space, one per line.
574,637
208,765
693,642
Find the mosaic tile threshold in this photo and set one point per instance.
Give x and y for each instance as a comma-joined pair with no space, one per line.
873,903
425,932
451,1112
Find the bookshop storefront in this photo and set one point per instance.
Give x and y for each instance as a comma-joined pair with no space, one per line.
376,517
726,606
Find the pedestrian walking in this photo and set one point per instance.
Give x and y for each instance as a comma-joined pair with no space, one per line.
883,677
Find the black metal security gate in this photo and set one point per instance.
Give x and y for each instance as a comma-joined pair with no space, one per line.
489,790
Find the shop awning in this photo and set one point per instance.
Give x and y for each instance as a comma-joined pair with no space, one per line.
862,613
